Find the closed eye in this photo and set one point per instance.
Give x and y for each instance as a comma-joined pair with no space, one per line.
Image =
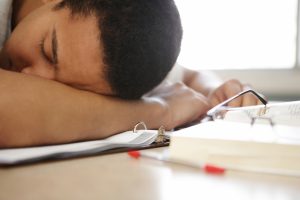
43,52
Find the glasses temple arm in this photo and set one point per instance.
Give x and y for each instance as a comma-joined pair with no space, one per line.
213,110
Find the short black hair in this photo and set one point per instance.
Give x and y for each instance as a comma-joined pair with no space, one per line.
141,41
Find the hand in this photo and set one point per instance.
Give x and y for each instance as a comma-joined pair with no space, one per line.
229,89
184,105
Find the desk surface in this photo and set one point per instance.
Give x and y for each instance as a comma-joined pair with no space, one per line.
119,177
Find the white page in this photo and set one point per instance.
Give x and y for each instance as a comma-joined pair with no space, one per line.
126,139
287,113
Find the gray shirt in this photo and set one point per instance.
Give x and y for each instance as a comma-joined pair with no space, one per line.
5,20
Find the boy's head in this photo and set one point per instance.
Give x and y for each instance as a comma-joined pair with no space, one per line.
115,47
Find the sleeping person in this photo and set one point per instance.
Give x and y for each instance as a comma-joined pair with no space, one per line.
80,64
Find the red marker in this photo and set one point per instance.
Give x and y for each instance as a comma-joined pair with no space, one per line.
210,169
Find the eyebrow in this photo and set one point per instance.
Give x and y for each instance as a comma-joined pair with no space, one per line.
54,47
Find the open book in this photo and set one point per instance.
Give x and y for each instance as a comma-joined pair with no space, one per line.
130,139
233,144
287,113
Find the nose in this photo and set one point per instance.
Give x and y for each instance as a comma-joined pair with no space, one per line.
40,71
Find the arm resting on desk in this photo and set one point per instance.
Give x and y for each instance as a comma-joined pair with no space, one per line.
34,111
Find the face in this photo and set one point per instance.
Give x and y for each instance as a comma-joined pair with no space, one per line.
51,44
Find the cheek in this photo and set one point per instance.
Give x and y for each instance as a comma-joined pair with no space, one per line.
23,44
20,52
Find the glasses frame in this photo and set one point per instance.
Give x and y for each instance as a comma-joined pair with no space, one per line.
210,116
215,109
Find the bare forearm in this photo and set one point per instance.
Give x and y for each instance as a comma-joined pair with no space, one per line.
215,89
201,81
34,111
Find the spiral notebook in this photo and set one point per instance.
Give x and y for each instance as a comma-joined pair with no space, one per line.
130,140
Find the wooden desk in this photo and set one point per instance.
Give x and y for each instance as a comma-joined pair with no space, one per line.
120,177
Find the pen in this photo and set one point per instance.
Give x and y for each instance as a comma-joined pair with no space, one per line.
212,169
207,168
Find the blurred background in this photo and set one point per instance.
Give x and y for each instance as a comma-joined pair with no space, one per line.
256,41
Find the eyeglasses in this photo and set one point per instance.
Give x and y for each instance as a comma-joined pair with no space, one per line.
254,115
220,110
222,105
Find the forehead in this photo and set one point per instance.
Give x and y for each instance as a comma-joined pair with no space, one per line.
80,52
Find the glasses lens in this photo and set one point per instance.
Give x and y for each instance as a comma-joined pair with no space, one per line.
233,115
285,126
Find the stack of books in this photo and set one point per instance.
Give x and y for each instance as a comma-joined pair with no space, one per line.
270,145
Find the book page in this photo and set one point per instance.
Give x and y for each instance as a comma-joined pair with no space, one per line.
287,113
239,146
126,139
